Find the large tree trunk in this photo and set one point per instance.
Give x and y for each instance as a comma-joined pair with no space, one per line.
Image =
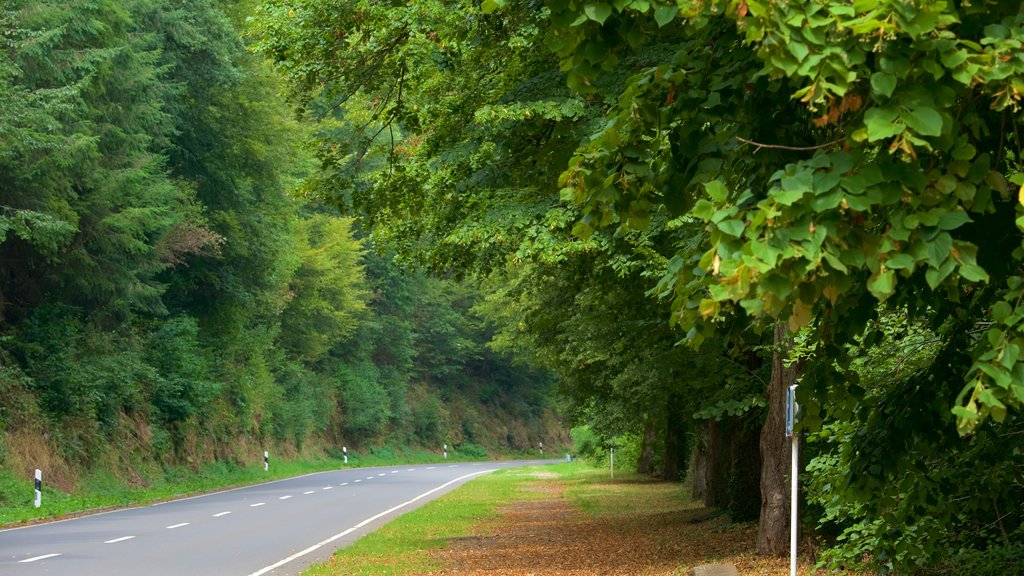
645,464
719,464
773,527
699,463
675,441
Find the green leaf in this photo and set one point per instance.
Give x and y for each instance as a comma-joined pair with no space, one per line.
597,12
733,227
717,191
881,123
489,6
883,83
1001,311
973,273
924,120
900,262
665,14
798,50
882,285
953,219
938,249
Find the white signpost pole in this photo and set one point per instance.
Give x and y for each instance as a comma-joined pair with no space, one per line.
791,410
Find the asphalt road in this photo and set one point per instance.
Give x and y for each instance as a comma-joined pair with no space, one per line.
274,528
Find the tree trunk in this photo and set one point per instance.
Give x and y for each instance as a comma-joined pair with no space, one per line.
675,441
645,464
721,438
773,527
699,464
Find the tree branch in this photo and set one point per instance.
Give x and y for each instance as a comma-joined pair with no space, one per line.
761,145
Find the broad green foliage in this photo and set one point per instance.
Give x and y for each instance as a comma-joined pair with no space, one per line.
897,481
447,154
327,290
830,150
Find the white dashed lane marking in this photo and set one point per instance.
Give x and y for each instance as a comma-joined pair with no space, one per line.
257,504
311,491
219,514
285,497
328,487
33,559
172,527
121,539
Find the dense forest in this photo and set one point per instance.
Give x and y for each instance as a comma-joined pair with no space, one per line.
170,291
321,221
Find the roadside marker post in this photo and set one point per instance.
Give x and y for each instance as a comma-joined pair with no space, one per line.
541,449
446,451
792,409
611,456
344,453
39,487
266,460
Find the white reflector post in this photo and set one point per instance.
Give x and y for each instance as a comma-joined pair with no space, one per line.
791,413
39,487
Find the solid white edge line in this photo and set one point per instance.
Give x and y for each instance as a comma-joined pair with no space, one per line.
43,557
121,539
364,523
219,514
172,527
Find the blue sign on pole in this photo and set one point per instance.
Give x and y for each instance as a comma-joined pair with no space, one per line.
791,408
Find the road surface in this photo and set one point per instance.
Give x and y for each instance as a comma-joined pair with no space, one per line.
275,528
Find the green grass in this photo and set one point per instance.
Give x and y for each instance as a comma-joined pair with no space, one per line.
592,492
402,546
102,489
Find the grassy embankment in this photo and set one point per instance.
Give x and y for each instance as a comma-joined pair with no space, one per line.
103,489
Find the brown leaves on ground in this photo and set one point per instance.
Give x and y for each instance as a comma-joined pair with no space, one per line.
628,527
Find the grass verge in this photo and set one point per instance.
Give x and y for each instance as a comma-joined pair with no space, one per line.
402,546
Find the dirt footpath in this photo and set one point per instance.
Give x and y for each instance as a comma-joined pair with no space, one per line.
551,536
